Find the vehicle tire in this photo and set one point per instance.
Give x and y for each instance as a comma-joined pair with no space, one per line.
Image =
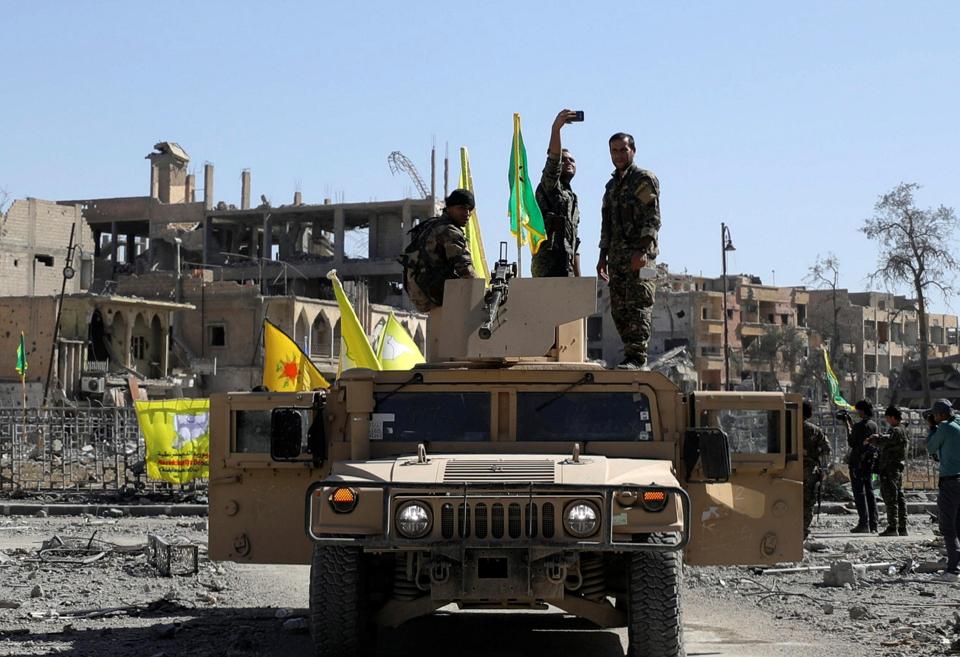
654,626
338,604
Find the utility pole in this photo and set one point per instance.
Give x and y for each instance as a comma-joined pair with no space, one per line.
726,244
68,273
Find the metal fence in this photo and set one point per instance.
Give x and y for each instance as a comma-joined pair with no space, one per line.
83,450
921,471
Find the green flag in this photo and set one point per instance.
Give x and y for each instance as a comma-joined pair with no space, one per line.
526,221
835,395
22,357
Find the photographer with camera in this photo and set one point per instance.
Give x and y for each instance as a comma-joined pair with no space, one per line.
861,460
943,443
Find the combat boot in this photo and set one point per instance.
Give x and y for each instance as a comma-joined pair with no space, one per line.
902,530
890,531
860,529
632,364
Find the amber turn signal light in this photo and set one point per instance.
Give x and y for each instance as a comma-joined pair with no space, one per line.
344,500
654,500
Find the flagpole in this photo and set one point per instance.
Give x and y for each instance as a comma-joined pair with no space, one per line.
517,191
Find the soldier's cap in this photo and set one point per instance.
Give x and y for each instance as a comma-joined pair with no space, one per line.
461,197
942,406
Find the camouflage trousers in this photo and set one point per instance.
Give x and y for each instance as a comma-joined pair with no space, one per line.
631,304
891,490
809,500
547,263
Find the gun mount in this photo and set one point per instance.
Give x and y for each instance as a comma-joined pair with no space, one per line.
496,294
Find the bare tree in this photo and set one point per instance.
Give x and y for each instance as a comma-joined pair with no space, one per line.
824,274
915,249
779,346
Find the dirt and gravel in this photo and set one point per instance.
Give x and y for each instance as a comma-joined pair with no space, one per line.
92,590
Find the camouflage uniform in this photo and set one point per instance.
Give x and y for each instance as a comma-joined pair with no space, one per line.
815,447
561,216
443,255
631,220
890,464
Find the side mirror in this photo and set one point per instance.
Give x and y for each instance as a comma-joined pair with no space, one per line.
711,448
286,433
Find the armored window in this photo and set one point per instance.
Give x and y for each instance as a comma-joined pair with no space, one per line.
431,416
583,416
749,431
252,431
595,328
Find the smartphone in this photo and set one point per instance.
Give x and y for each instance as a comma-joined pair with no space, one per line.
579,115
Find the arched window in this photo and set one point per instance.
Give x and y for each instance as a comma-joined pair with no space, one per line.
321,337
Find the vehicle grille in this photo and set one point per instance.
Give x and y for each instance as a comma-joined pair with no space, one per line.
498,520
499,471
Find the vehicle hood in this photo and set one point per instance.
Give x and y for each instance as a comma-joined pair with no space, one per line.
514,468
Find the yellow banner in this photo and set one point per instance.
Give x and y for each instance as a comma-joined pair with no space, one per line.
176,433
355,349
396,350
285,367
472,229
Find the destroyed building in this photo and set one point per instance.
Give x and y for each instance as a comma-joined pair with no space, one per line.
216,271
878,334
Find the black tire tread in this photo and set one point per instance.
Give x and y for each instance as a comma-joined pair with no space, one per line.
336,601
655,626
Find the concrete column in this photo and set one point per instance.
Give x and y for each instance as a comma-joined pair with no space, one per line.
266,243
406,222
189,189
130,248
245,190
165,350
373,236
339,225
208,186
154,180
114,237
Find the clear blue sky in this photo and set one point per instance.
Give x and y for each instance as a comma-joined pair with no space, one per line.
786,123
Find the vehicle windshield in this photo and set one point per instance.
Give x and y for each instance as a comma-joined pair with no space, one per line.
583,416
431,416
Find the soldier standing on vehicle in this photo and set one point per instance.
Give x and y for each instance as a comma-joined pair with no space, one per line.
815,448
861,461
890,465
559,254
628,244
943,443
438,251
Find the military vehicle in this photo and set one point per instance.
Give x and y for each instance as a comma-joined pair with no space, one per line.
505,473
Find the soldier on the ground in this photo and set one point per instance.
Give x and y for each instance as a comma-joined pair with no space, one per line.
861,459
559,255
890,464
438,251
628,244
815,449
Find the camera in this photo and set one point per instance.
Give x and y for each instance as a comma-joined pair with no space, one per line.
579,115
843,415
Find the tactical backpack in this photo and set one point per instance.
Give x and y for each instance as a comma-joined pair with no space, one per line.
420,280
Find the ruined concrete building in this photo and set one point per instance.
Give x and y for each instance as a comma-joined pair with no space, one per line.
202,275
878,333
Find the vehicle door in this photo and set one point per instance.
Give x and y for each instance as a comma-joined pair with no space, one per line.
756,517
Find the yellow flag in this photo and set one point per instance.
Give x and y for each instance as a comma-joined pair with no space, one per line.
397,350
176,433
355,349
285,367
472,229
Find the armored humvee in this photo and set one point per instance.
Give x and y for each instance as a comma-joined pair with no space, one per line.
491,479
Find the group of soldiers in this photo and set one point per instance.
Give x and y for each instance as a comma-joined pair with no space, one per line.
870,452
630,215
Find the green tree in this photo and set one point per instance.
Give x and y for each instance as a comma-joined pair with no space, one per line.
915,249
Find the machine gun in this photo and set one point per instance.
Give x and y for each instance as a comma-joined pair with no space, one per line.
496,294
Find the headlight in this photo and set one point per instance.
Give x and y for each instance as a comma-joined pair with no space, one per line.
414,520
582,519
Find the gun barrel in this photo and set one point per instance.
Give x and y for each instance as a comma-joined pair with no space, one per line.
486,329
